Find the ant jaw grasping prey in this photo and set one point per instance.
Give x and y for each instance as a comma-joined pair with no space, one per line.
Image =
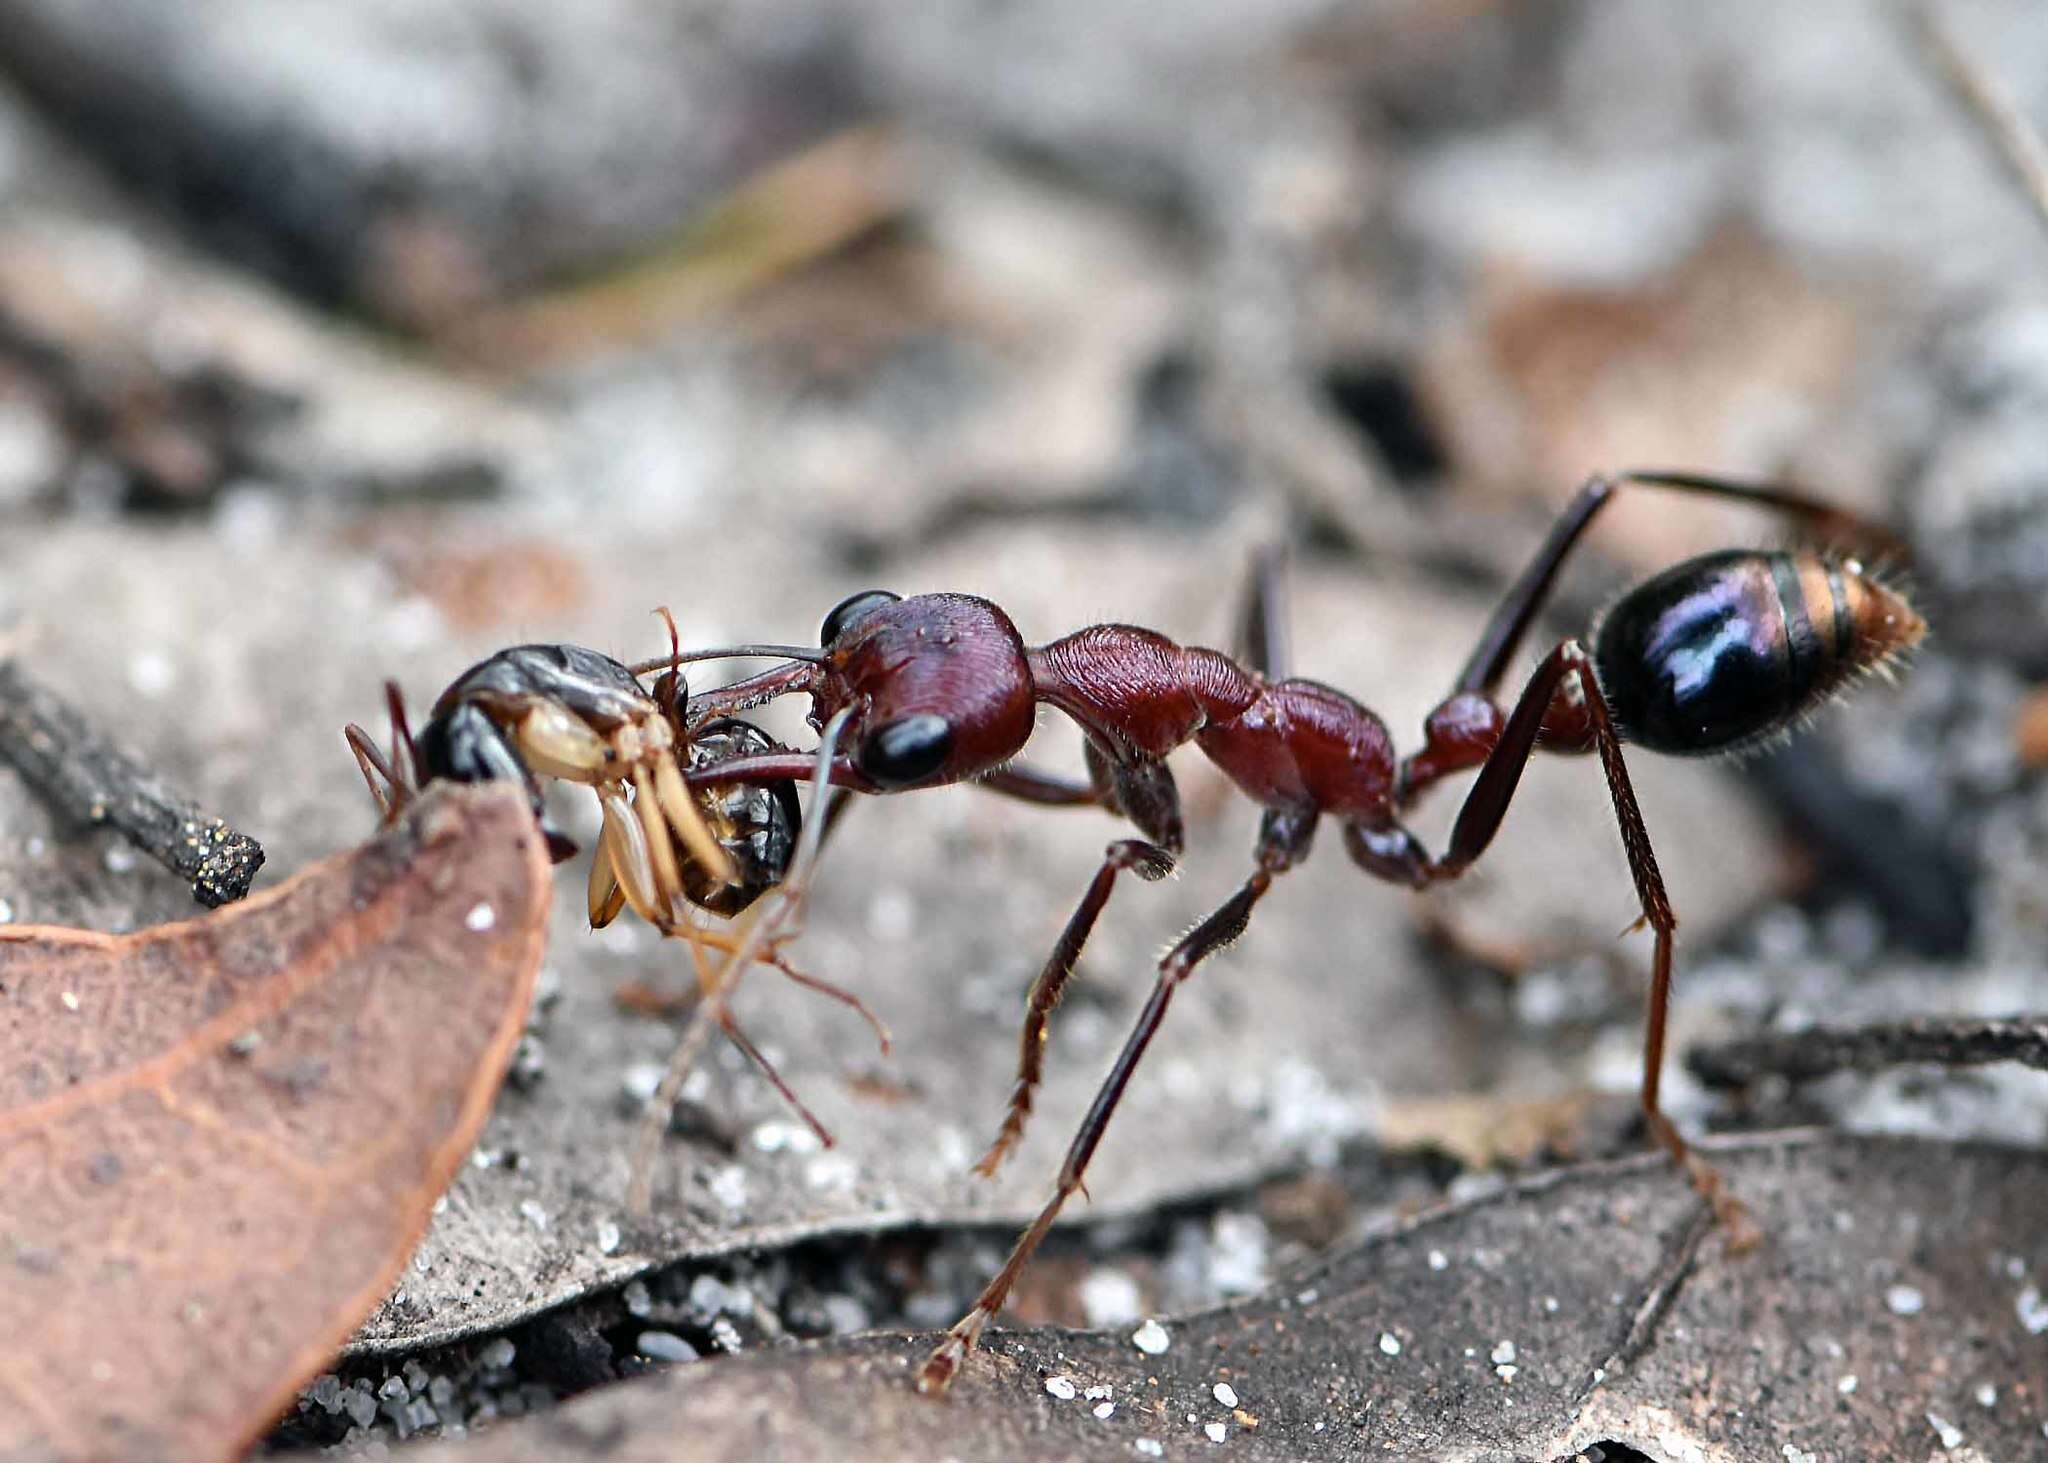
564,712
1709,657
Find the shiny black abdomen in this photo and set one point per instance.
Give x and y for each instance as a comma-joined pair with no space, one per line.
1699,660
758,826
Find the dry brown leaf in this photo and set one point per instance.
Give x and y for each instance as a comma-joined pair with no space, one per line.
222,1138
1886,1315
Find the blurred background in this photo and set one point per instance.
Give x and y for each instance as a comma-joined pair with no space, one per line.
350,340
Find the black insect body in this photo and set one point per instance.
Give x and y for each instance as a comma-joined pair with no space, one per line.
564,712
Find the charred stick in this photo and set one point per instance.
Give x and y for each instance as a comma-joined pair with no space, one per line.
1823,1050
86,778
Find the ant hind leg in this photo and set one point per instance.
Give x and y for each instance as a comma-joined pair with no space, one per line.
1396,855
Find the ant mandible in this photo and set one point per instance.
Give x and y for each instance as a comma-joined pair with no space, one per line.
1711,656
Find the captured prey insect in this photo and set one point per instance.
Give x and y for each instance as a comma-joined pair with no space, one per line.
564,712
1711,656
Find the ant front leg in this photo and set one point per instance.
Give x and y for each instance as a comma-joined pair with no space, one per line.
1150,863
1148,788
1283,841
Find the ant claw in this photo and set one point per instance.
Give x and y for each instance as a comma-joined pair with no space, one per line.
937,1373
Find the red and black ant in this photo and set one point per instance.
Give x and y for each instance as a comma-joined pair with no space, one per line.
1711,656
565,712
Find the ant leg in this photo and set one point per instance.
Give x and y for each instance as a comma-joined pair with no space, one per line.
1282,839
625,845
1395,854
1262,633
778,921
374,767
1048,789
401,773
1150,863
738,1038
833,992
1143,791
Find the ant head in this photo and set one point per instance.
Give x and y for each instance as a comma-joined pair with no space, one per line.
940,684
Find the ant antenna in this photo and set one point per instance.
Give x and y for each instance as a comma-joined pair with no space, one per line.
772,927
727,652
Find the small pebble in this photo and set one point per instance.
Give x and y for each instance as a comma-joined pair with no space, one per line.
607,1237
1951,1436
361,1405
2032,1311
1217,1431
392,1388
729,1187
1390,1343
1847,1385
1987,1395
70,1000
638,1302
534,1215
1109,1298
1061,1387
1153,1448
1438,1260
664,1346
480,918
1905,1300
1226,1394
498,1353
1151,1338
1503,1353
1104,1411
776,1136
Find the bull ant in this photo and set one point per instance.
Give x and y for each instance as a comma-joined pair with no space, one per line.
1714,655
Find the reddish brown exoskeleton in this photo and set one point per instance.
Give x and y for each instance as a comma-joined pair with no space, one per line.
1708,657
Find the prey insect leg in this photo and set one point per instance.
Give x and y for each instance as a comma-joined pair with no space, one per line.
776,922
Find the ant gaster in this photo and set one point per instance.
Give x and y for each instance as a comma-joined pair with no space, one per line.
1708,657
565,712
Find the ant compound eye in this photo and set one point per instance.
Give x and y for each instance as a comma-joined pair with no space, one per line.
853,609
906,750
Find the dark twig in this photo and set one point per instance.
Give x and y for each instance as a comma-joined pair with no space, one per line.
1816,1053
1672,1271
80,773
